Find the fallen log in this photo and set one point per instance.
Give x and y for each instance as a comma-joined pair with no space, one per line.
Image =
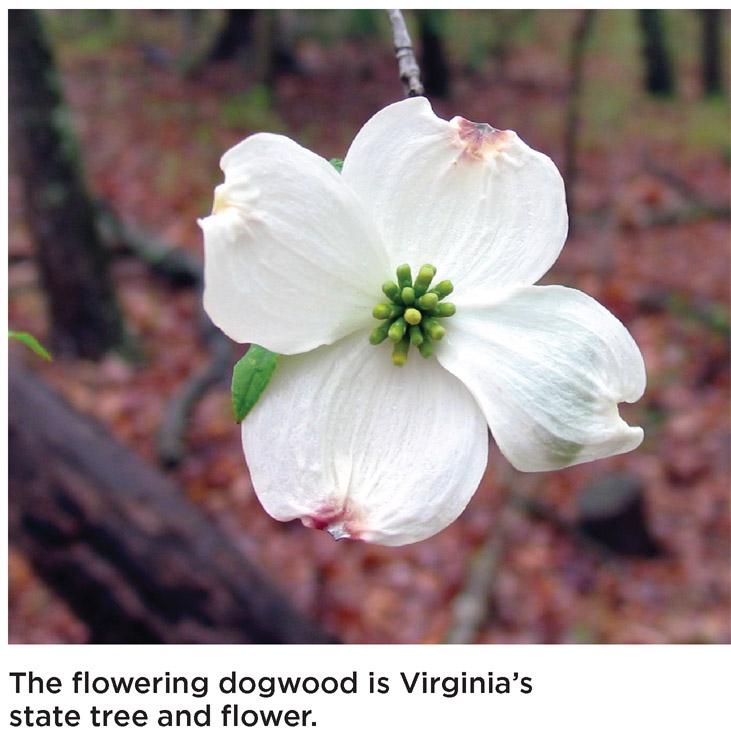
135,560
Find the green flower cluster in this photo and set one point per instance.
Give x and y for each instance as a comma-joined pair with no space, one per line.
411,315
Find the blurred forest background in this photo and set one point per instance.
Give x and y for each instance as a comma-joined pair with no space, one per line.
132,517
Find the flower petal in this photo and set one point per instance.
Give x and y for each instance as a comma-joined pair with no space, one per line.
347,442
475,202
548,366
292,260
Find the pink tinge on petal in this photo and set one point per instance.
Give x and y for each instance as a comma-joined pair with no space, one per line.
481,140
340,522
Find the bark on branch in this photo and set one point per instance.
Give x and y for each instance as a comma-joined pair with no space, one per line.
407,64
180,269
118,541
171,435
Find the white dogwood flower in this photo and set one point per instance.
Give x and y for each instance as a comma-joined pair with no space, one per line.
299,258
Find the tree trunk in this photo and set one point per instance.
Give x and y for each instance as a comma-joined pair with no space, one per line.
84,315
254,37
712,23
658,67
236,35
117,540
434,66
573,104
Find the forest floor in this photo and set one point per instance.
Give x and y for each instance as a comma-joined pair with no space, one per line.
647,241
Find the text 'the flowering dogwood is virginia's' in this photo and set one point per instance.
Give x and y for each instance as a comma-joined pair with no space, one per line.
402,293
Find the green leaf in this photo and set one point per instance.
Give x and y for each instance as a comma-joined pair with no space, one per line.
337,163
250,379
31,342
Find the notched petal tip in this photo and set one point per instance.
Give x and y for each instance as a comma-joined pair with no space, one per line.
222,228
339,523
480,140
220,200
240,196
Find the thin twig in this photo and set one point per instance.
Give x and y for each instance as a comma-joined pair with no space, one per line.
472,607
671,178
407,65
173,264
175,419
183,270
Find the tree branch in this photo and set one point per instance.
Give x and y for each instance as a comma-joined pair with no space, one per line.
472,607
121,544
407,65
180,269
175,265
171,434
